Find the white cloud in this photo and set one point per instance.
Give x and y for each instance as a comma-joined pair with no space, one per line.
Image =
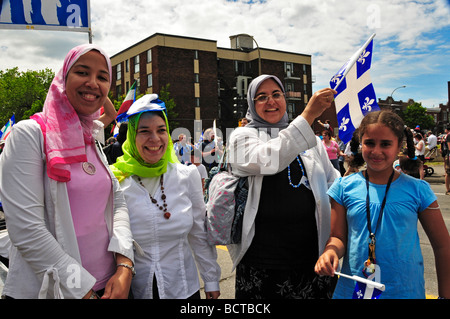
331,31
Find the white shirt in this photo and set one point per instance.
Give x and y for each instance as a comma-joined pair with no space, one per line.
202,170
254,154
432,141
422,151
44,258
185,149
170,244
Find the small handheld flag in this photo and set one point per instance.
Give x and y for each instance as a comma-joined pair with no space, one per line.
356,95
366,291
127,102
364,288
7,128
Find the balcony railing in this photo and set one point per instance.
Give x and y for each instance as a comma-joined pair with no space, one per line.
292,94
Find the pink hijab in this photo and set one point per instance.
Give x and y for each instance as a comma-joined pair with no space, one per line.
65,131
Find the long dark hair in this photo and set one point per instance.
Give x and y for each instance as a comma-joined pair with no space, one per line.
408,161
356,160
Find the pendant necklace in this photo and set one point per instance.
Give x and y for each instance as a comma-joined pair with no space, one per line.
88,168
303,180
369,264
163,197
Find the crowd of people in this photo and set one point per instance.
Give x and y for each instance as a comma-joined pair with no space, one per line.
132,224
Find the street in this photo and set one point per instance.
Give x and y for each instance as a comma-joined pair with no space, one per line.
436,182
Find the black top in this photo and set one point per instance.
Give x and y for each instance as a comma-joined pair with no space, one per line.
285,225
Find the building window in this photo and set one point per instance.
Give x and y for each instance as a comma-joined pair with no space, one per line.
119,71
138,85
197,78
149,80
118,91
289,68
196,54
136,64
289,87
197,102
240,67
291,111
127,66
149,55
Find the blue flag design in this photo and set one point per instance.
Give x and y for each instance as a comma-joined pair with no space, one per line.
364,292
356,94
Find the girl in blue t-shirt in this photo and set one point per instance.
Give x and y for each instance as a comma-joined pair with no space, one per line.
374,217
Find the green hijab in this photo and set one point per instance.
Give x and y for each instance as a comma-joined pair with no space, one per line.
131,163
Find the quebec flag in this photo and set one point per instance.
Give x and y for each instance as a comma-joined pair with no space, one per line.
363,291
356,95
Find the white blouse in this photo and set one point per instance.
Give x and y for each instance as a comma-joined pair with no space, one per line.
170,245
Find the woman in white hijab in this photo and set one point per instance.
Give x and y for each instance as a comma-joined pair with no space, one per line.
287,216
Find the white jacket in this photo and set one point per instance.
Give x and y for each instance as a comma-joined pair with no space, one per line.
44,258
254,154
170,245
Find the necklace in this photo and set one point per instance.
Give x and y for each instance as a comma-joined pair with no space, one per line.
163,197
368,265
303,180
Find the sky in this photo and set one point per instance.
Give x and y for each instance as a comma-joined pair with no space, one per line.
411,46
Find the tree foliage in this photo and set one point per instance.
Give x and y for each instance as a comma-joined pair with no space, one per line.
22,93
415,114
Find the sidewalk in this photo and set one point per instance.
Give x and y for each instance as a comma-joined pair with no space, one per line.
438,176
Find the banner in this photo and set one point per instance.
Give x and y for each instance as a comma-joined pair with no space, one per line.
62,15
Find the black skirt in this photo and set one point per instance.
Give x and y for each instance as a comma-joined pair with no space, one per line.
259,283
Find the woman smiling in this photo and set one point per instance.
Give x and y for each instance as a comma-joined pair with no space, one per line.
167,211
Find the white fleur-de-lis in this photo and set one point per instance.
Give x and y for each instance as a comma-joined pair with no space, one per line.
368,104
363,56
359,294
343,126
336,78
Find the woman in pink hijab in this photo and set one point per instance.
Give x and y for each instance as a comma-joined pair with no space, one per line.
66,216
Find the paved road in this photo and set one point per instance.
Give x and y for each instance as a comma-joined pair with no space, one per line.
437,184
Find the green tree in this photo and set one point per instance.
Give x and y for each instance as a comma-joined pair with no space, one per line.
415,114
164,95
23,93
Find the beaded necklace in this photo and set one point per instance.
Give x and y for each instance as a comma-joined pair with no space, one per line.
303,177
163,197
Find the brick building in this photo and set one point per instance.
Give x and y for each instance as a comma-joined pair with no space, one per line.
208,82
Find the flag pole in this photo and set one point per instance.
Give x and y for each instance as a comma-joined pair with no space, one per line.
353,60
370,283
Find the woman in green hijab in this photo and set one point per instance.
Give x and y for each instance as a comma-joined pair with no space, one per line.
167,211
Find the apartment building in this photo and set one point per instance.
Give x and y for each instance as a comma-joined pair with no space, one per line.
208,82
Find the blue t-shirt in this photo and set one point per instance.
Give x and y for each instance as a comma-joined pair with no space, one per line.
397,250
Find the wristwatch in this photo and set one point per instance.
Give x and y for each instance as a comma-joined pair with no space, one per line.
133,272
